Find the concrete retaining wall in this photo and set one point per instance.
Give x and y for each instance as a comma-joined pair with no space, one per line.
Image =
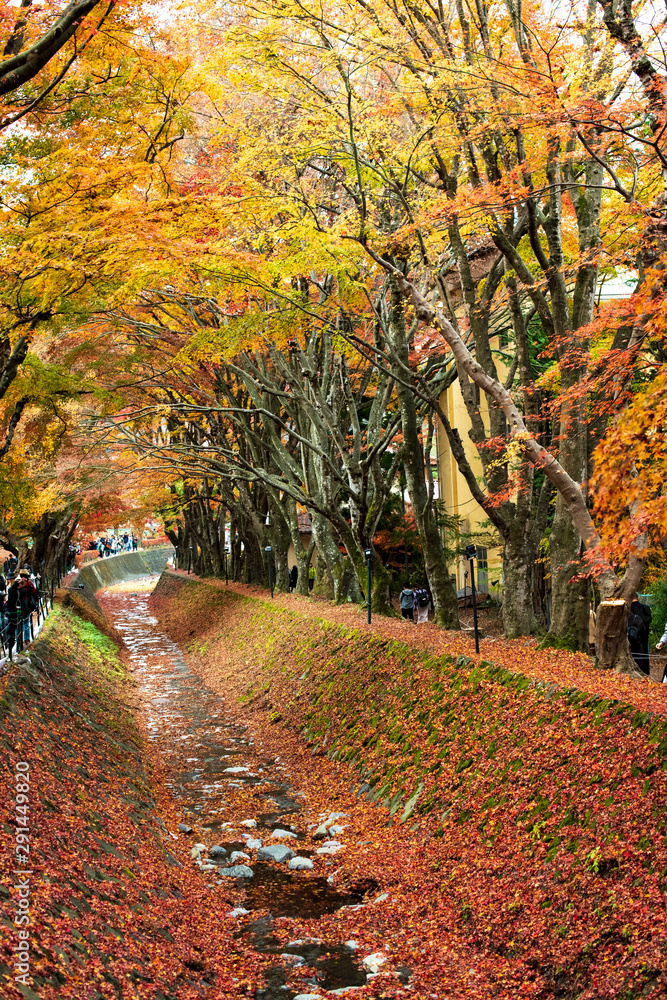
115,569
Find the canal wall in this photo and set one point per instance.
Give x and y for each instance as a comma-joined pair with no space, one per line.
106,572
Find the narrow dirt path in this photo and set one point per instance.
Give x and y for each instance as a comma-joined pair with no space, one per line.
240,802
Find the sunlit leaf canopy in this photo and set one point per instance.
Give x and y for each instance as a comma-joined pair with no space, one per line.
208,202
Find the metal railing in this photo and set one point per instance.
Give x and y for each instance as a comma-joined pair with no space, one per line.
20,626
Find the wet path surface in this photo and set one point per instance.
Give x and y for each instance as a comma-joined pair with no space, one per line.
214,766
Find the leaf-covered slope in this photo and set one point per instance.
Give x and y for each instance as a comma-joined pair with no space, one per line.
113,913
542,807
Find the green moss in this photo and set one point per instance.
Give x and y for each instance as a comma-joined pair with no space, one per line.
569,642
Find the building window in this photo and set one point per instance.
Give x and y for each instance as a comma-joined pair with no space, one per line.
482,570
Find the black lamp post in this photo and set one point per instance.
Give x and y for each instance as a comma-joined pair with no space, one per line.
368,555
267,549
190,560
471,553
226,553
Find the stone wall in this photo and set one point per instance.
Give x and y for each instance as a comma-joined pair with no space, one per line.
115,569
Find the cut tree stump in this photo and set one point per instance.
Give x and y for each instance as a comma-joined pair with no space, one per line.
611,638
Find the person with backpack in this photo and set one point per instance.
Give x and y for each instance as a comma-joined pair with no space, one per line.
407,600
422,602
639,619
25,603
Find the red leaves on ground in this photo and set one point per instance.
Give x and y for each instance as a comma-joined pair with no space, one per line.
532,854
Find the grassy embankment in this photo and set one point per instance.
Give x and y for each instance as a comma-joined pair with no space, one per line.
543,807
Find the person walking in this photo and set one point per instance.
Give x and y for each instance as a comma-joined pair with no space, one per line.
13,608
422,602
3,600
407,600
659,645
27,601
639,619
293,577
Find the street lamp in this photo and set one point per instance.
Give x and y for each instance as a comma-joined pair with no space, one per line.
267,549
471,553
368,553
190,560
226,554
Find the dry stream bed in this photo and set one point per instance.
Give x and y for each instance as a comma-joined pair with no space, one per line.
243,817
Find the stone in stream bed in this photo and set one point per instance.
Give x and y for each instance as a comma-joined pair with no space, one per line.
280,834
331,848
238,871
217,851
292,959
300,864
184,828
237,856
251,824
275,852
373,963
321,833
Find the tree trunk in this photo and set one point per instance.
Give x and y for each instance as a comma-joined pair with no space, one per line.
323,585
611,639
445,602
302,555
339,568
51,537
518,583
570,594
380,580
280,546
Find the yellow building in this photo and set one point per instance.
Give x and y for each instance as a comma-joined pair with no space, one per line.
453,489
458,500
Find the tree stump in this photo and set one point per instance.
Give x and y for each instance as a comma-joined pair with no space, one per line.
611,638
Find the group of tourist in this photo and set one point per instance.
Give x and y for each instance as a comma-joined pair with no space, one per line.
294,577
417,598
18,600
112,545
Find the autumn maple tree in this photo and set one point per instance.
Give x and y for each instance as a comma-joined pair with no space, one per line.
519,150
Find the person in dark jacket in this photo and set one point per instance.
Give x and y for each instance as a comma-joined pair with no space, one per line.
639,619
13,607
407,602
293,577
27,599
